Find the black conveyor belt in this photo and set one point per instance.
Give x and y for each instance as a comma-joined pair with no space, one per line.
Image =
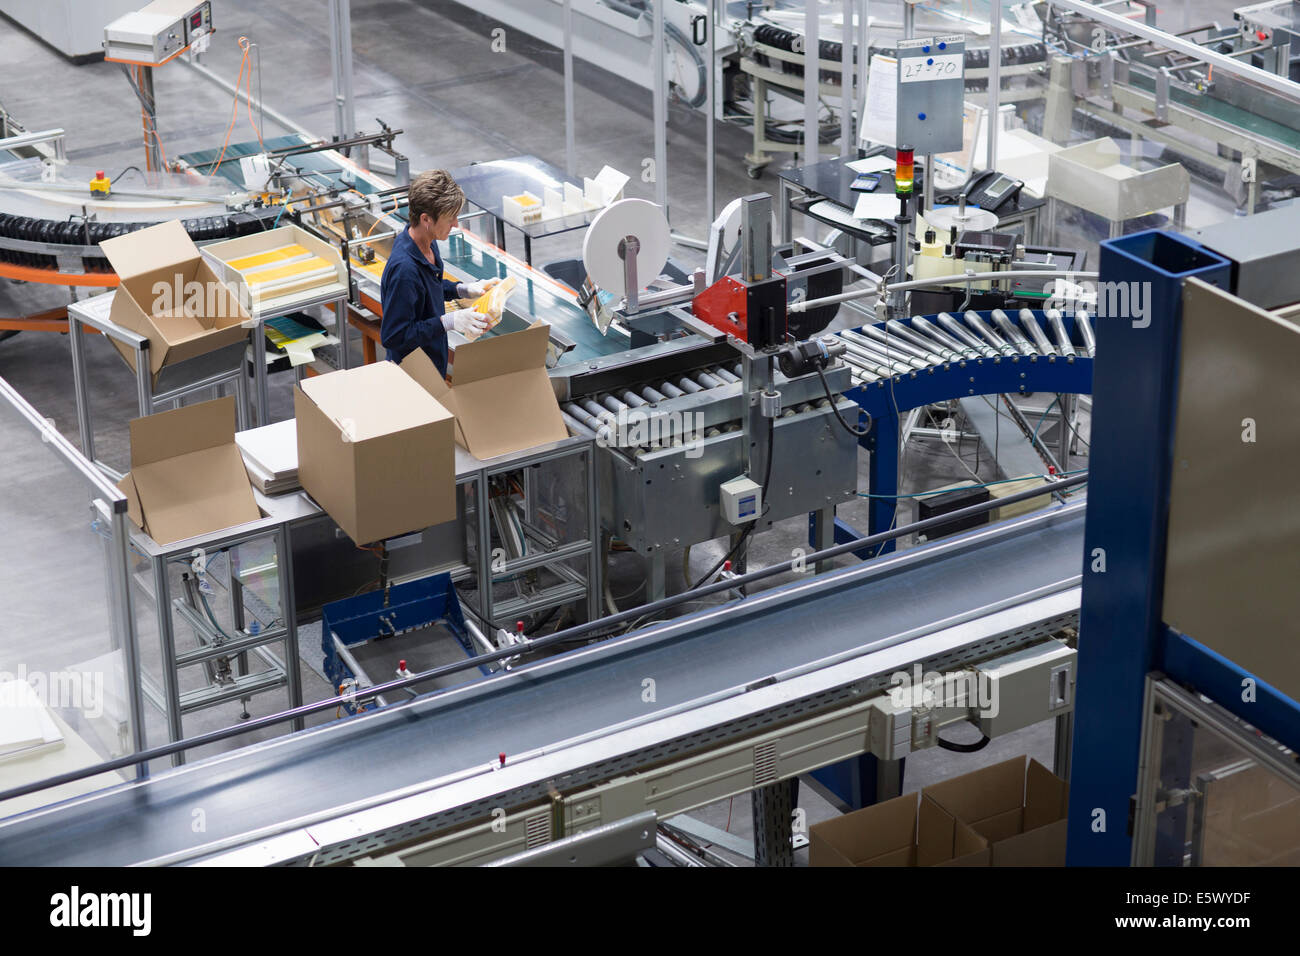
866,607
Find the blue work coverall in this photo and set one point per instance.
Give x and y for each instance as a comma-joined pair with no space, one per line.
413,294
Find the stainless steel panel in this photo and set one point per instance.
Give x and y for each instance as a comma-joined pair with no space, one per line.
668,499
1234,530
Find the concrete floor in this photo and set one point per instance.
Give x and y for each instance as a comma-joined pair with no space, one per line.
425,67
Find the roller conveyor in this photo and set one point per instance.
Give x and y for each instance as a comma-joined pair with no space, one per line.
877,352
946,587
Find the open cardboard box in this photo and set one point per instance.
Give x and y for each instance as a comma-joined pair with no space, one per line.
911,830
187,476
266,249
376,451
1018,805
501,396
170,295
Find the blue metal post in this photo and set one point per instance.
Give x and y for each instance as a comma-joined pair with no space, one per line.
882,475
1120,630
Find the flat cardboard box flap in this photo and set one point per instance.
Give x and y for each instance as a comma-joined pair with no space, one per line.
187,477
164,247
500,393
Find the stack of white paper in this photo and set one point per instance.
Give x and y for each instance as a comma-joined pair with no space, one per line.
271,456
25,725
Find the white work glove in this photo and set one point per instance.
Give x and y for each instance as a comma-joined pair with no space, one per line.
466,321
472,290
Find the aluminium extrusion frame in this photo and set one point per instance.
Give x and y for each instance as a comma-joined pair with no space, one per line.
478,473
1164,696
261,358
282,513
208,370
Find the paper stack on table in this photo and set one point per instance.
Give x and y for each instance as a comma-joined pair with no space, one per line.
271,457
880,205
26,727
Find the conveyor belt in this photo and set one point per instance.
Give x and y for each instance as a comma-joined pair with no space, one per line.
859,609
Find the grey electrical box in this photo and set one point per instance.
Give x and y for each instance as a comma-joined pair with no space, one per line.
1266,266
931,93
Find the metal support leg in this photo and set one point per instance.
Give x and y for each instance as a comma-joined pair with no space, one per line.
243,411
773,815
344,327
656,578
1063,444
259,375
823,534
167,643
570,114
482,515
595,569
787,214
143,381
883,476
126,638
238,620
289,616
77,340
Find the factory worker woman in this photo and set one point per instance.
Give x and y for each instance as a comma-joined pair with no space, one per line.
414,292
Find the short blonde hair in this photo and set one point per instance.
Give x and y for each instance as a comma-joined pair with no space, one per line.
436,193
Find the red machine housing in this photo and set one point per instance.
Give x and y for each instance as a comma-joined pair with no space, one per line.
725,304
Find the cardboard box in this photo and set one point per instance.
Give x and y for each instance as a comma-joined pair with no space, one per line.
911,830
501,396
376,451
170,295
1018,805
303,266
187,476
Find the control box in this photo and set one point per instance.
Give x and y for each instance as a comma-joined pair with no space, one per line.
158,32
931,93
742,500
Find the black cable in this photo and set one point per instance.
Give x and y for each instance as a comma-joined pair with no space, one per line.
127,170
836,409
963,748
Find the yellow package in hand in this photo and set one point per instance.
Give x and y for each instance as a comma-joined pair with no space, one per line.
492,303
